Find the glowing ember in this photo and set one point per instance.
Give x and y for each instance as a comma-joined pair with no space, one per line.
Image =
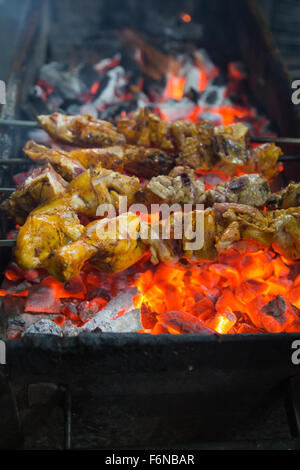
241,293
186,17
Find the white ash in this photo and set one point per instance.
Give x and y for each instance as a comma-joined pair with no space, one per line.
129,322
44,327
66,81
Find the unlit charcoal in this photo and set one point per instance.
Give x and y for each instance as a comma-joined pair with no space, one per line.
129,322
109,318
44,327
66,82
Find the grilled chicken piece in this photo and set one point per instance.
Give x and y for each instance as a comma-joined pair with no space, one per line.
43,233
286,223
253,190
112,245
263,159
179,187
84,195
83,131
42,184
279,228
147,162
287,197
235,222
182,187
64,164
148,130
201,146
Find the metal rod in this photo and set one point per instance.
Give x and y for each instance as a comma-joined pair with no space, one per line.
18,123
7,190
275,140
23,161
7,243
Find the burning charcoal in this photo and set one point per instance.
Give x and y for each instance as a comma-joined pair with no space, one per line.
69,329
19,289
89,75
99,292
70,309
75,286
183,322
44,327
87,311
148,318
127,323
212,97
32,275
66,82
278,314
204,309
14,273
177,110
42,298
248,329
107,91
107,319
223,323
29,318
13,305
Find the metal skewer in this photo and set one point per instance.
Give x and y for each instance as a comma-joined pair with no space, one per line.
14,161
7,243
275,140
18,123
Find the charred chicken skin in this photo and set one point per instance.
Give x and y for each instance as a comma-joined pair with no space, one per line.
65,165
82,131
196,145
140,161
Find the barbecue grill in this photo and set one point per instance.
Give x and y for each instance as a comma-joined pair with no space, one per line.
125,390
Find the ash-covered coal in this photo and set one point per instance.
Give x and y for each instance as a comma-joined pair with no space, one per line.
176,81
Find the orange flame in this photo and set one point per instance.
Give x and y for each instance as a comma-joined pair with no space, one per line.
240,293
186,17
